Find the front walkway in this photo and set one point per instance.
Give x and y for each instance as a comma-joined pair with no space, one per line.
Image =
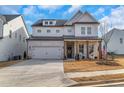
94,73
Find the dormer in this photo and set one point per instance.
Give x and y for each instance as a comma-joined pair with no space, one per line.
49,22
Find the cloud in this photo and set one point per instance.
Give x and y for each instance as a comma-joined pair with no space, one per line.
50,8
115,19
8,9
74,8
99,12
28,10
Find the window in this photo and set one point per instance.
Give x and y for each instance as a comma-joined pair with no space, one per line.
46,22
10,34
57,31
81,48
39,31
83,30
24,39
20,37
48,31
69,30
121,40
50,22
88,30
15,35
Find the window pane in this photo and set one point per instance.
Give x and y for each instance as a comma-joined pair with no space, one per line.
20,37
51,22
121,40
81,48
82,30
46,22
69,30
39,31
88,30
48,31
10,34
57,31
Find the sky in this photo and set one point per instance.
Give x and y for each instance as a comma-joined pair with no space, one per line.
112,14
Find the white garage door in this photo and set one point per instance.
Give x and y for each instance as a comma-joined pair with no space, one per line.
47,52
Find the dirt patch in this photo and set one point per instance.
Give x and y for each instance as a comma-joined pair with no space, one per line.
8,63
101,77
90,65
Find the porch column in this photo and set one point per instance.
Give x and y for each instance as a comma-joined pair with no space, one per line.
87,43
75,48
65,49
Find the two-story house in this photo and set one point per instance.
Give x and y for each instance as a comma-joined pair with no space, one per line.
59,39
13,35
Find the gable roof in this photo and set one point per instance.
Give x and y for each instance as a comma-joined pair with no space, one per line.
10,17
80,17
59,22
74,18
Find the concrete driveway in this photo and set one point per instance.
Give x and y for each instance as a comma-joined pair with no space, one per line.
35,73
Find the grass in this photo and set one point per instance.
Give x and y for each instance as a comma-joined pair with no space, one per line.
88,65
7,63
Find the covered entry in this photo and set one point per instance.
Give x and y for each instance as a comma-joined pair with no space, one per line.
90,49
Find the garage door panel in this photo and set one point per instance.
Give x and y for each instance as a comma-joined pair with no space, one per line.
47,52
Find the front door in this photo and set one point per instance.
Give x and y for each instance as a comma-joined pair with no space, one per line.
69,52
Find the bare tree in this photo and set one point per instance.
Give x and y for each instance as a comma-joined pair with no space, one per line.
104,28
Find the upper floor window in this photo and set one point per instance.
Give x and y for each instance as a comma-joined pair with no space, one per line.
69,30
50,22
82,30
46,23
20,37
88,30
39,31
57,31
48,31
10,34
121,40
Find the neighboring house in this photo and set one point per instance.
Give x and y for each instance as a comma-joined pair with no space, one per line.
115,38
13,35
59,39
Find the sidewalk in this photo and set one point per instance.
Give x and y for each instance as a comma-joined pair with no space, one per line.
93,73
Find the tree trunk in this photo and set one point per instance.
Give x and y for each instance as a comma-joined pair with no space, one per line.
106,54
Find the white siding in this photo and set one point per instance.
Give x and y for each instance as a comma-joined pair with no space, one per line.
10,47
1,28
94,29
114,43
44,31
66,28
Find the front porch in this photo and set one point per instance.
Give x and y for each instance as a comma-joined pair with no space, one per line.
86,49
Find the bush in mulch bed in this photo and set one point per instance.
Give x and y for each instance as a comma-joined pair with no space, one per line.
109,63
